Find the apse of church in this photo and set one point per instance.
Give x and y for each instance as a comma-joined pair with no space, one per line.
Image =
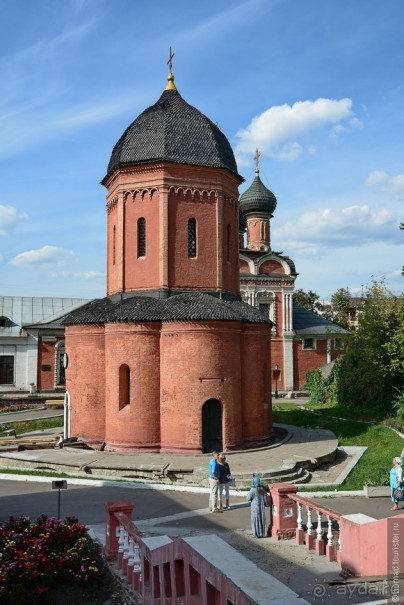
171,360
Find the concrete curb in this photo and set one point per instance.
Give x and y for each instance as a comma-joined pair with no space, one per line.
159,486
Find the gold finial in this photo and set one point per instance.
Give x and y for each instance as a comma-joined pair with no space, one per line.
256,160
170,77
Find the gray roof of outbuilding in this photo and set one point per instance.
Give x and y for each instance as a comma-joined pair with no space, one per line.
26,311
172,130
190,306
308,322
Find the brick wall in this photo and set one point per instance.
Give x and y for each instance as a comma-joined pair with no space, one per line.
85,381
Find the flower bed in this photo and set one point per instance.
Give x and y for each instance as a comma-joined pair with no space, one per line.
36,556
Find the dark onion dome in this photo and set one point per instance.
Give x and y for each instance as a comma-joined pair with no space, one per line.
242,221
171,130
189,306
258,198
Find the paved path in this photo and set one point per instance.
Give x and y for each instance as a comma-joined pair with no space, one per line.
296,448
183,512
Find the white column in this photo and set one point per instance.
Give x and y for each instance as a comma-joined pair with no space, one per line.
66,416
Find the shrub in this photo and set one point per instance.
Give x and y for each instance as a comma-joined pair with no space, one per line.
37,556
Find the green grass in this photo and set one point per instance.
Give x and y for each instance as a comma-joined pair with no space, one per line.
31,425
382,443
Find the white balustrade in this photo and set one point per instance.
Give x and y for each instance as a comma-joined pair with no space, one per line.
319,529
309,522
125,549
329,533
131,551
299,516
121,538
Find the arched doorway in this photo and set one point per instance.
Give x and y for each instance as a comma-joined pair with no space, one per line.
212,426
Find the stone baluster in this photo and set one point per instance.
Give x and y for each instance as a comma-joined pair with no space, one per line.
339,546
309,534
320,546
330,548
299,530
131,552
125,555
121,541
136,567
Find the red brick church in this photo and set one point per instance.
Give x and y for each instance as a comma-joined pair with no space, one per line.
171,360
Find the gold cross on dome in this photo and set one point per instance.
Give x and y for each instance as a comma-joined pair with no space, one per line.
256,160
170,59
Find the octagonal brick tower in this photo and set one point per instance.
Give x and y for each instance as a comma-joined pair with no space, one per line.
171,360
172,204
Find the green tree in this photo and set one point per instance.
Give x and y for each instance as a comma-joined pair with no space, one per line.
371,373
309,300
341,307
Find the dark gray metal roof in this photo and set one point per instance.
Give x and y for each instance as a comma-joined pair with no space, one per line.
172,130
308,322
190,306
258,198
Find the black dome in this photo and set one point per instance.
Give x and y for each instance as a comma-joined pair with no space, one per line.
258,198
172,130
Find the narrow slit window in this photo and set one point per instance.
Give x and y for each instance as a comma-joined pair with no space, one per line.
228,242
192,238
124,386
114,246
141,237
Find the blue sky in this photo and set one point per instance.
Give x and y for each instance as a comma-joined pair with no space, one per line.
316,85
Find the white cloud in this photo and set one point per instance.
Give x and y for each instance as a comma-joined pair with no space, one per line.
80,275
386,182
290,152
9,218
283,124
47,255
312,233
377,177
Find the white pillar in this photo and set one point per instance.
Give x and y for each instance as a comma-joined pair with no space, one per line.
66,416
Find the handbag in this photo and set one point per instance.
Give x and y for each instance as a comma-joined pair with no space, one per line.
267,500
398,493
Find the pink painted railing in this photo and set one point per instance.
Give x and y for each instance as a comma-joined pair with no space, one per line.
123,542
186,571
361,545
289,510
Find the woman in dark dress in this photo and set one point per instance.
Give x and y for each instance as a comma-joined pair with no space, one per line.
257,496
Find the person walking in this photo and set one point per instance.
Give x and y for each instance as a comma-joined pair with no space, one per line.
396,479
224,481
258,498
214,477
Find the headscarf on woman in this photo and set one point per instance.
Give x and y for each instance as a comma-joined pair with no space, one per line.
256,482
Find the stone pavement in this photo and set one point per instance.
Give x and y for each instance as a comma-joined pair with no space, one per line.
295,452
305,573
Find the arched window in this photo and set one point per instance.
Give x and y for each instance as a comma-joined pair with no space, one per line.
141,237
192,238
228,243
124,386
114,246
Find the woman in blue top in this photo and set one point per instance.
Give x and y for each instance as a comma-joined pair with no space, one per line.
396,479
257,496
